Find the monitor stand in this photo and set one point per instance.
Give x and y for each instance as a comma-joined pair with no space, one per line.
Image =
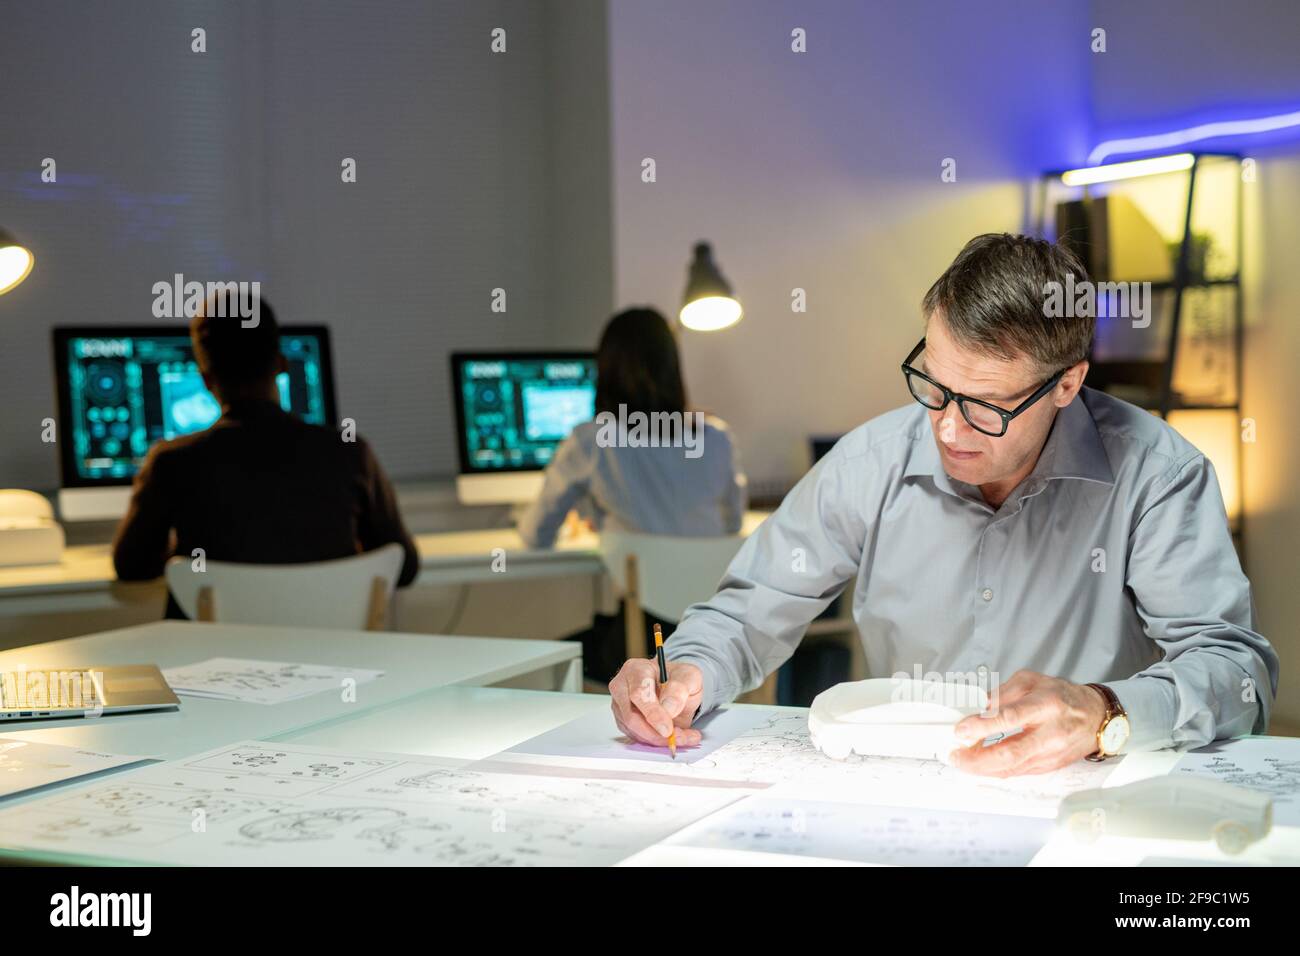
502,488
94,504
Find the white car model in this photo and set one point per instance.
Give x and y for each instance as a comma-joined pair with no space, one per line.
1174,807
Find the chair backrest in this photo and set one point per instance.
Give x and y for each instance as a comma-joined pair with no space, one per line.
17,503
346,594
673,572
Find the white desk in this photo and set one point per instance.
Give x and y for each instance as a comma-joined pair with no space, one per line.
468,723
476,722
412,663
85,580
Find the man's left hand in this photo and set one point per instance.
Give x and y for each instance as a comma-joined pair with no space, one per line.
1058,720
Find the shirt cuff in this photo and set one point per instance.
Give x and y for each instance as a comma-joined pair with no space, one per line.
1151,708
714,694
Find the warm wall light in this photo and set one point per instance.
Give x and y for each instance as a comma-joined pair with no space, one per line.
16,262
1138,167
708,304
1215,432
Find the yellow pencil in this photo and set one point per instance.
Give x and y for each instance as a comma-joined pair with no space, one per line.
663,679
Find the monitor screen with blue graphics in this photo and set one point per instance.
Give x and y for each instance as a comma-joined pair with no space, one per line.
514,408
120,389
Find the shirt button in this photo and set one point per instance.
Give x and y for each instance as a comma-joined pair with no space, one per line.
987,594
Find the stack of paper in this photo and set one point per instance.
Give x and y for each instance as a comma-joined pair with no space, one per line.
262,682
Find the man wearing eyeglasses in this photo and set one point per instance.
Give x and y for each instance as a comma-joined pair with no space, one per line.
1008,522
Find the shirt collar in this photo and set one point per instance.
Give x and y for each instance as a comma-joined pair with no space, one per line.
1073,450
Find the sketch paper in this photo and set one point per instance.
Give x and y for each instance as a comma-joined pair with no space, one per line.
26,764
1269,766
284,804
776,754
596,735
261,682
894,836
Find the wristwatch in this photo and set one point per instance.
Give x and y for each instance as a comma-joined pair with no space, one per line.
1114,730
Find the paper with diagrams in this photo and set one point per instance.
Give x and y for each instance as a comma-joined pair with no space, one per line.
1269,766
289,805
775,754
596,735
27,764
262,682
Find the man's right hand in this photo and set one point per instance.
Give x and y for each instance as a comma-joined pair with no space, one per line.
646,712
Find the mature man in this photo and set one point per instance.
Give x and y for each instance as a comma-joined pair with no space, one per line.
1010,521
260,486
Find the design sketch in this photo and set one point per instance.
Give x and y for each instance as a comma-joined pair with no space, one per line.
906,836
261,682
311,824
1267,766
778,751
357,809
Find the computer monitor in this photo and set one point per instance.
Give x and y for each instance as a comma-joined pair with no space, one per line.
122,388
512,410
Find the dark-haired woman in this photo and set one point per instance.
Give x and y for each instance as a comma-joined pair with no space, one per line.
647,463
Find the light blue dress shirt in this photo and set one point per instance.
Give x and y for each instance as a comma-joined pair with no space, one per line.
651,490
1111,562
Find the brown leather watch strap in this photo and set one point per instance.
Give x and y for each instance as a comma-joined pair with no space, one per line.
1113,706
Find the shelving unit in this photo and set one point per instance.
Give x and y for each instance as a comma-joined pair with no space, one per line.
1183,359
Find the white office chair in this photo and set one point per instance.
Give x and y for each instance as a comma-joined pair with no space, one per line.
666,574
346,594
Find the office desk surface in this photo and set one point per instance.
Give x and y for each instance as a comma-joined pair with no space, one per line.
467,723
476,722
412,663
84,579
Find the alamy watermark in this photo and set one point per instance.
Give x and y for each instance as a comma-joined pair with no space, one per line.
1115,300
41,690
76,908
959,689
683,430
180,299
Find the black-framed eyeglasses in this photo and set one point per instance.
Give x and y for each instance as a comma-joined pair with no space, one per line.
980,415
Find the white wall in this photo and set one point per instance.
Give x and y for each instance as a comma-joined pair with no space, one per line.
474,171
822,171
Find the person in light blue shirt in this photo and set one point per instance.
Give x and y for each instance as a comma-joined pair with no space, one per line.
1068,548
647,463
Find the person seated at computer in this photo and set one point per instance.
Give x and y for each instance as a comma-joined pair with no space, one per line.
690,484
260,486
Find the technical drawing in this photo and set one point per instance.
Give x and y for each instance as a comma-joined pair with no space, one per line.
311,824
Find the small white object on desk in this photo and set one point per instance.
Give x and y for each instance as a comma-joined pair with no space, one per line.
1176,807
892,717
28,532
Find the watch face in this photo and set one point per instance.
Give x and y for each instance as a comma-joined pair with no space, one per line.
1115,734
